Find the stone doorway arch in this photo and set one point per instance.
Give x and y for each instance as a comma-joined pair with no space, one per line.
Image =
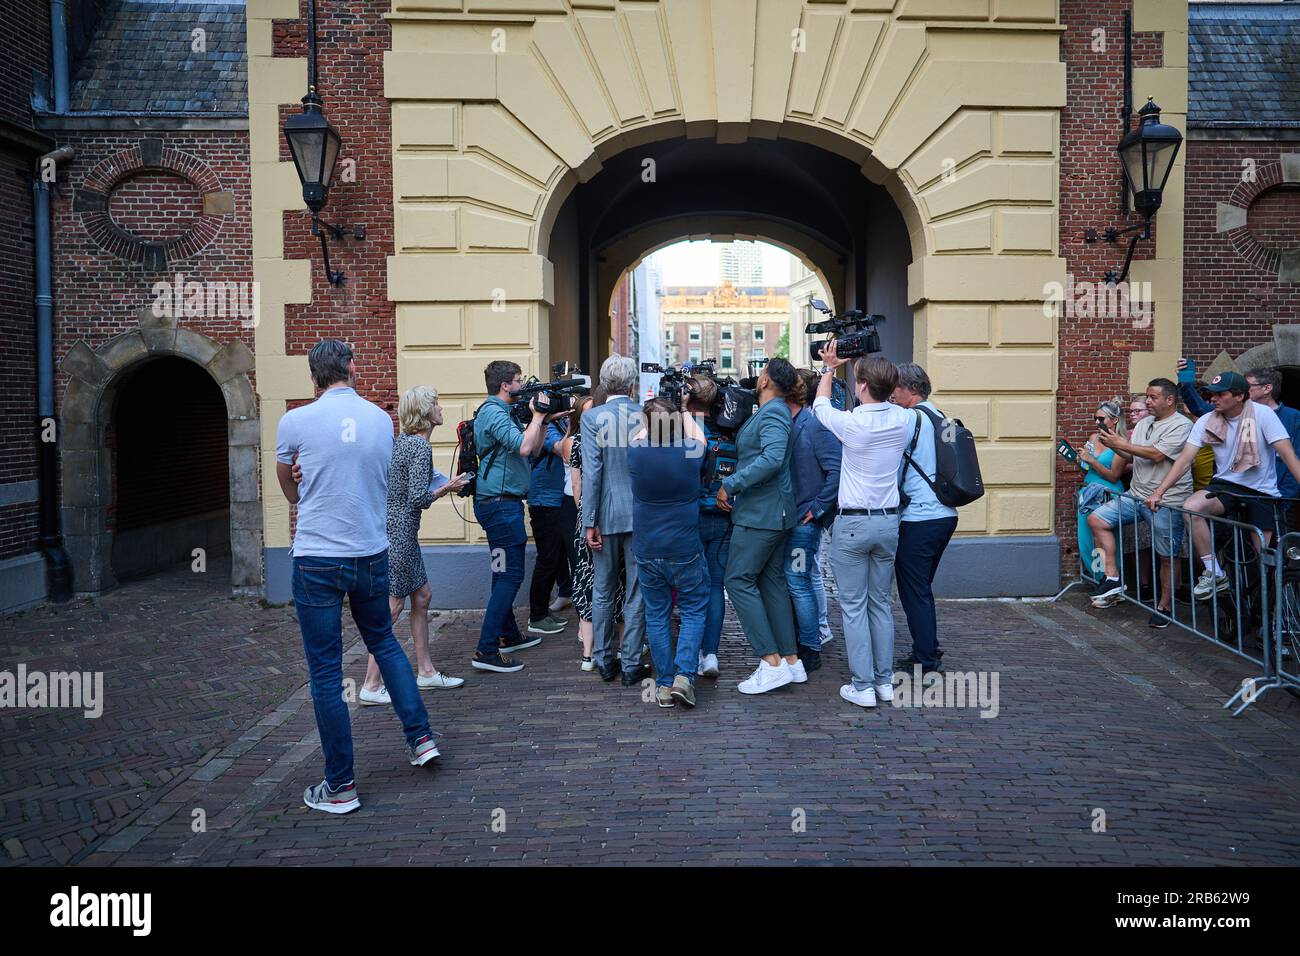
1283,353
94,375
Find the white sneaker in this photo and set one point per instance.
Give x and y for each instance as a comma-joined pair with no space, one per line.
370,698
885,692
708,665
766,677
863,698
438,680
798,675
827,634
560,603
588,664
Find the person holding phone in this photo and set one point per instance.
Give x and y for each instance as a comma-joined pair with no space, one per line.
1101,468
413,485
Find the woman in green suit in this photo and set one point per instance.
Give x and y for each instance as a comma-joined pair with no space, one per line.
761,514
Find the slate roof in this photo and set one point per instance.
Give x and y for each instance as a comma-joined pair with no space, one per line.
140,60
1243,64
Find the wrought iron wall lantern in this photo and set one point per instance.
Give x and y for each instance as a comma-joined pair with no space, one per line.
314,145
1147,157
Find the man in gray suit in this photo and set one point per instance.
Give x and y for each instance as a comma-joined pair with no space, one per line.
607,520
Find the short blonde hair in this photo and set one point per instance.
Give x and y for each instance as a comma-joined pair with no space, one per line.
415,410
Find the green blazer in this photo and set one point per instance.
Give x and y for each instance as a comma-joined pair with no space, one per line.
760,485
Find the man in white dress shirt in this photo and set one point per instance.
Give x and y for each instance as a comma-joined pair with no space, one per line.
874,435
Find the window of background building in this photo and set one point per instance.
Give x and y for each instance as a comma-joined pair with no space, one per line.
728,356
759,353
758,333
694,333
726,333
695,355
668,334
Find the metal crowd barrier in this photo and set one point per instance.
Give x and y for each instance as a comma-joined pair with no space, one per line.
1257,617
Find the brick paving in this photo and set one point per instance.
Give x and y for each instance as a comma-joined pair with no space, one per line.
207,711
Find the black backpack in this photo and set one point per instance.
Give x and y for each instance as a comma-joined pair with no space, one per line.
957,478
467,454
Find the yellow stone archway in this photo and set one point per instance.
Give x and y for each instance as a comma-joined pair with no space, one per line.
950,105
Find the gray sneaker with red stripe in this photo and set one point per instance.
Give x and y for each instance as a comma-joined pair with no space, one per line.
342,800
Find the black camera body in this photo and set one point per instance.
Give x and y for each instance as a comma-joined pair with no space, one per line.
674,383
561,394
854,331
730,409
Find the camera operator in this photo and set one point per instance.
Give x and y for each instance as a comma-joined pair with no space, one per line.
504,450
606,431
874,435
815,477
761,515
715,523
665,462
925,527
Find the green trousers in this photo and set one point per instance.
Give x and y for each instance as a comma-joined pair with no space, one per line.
756,584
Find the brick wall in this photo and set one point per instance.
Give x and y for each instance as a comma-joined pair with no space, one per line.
351,40
18,331
1094,351
25,40
99,295
1229,303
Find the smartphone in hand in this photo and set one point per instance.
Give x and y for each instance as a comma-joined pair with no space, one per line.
1064,449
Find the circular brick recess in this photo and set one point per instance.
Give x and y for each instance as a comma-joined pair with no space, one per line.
152,204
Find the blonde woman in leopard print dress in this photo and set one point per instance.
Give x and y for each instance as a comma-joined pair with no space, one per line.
413,485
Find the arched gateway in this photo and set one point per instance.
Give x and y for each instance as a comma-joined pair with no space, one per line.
126,516
909,153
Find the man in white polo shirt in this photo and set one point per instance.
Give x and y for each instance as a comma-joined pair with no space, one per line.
874,436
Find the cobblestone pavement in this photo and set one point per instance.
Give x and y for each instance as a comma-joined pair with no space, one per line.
207,719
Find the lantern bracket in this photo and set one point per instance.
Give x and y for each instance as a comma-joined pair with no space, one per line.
319,227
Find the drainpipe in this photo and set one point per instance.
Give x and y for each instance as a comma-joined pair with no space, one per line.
59,571
59,53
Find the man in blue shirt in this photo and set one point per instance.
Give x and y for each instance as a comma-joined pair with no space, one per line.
715,524
343,445
664,463
925,527
504,450
546,515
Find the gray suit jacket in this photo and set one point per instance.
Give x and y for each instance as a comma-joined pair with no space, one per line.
606,483
761,482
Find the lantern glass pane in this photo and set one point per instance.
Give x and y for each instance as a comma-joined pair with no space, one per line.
308,146
1160,160
331,140
1133,166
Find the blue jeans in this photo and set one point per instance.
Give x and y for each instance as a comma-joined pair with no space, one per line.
503,523
658,577
1166,524
319,584
802,544
715,532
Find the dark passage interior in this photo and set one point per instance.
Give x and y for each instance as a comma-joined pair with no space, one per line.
171,484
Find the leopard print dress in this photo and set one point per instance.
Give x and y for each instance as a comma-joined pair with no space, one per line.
412,483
